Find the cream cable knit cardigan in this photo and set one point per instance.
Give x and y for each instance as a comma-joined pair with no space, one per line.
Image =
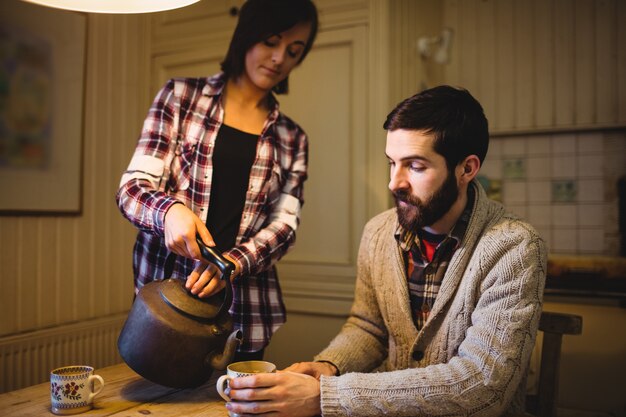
477,342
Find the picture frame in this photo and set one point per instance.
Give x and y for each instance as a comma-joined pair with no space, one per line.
42,94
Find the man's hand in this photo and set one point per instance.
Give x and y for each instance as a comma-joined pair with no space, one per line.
315,369
181,226
282,394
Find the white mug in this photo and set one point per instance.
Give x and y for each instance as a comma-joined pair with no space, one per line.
239,369
72,389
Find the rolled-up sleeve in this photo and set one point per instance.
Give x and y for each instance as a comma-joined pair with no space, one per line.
141,197
273,241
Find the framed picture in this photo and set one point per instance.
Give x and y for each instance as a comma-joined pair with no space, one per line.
42,79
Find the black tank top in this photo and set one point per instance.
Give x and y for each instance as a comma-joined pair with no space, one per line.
233,157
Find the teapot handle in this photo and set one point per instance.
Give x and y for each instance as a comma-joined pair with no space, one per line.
210,254
225,266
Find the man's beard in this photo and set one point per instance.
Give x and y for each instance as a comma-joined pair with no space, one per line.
420,214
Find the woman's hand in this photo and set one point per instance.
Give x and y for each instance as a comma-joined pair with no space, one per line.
283,394
181,226
206,278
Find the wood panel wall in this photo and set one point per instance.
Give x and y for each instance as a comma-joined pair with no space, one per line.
411,20
541,64
56,270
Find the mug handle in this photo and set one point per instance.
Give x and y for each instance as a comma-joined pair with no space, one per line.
221,382
91,384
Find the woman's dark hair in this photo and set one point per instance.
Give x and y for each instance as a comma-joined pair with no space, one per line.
260,19
452,115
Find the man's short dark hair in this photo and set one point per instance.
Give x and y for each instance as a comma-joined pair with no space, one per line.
260,19
452,115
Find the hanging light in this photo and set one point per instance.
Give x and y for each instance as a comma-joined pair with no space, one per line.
114,6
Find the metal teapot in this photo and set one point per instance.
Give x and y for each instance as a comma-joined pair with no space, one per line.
175,339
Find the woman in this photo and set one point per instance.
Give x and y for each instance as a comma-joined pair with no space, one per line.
216,158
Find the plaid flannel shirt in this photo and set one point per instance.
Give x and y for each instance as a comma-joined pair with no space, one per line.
172,163
424,278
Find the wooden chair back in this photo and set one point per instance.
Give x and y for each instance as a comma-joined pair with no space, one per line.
554,326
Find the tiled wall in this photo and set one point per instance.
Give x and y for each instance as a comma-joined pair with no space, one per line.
564,184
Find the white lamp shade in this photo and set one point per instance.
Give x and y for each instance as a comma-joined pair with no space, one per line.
114,6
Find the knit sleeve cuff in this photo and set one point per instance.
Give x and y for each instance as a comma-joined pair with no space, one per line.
329,396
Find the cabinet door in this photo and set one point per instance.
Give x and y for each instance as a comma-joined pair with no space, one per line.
339,95
201,62
328,98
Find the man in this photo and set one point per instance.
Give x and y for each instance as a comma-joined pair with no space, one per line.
448,292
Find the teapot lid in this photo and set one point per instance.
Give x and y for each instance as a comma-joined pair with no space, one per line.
175,294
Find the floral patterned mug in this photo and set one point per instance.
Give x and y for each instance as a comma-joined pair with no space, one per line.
72,389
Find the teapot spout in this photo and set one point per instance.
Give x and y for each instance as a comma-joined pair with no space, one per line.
221,360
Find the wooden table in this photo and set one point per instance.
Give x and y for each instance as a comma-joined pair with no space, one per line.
125,394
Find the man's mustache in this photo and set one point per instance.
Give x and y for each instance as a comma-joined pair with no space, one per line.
403,197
